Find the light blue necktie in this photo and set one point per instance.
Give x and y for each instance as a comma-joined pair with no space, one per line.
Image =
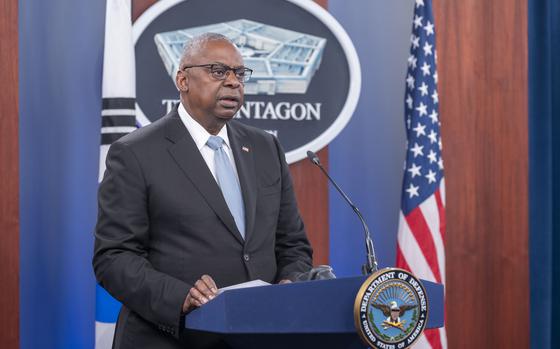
227,180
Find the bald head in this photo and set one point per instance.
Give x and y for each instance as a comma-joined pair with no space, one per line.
196,44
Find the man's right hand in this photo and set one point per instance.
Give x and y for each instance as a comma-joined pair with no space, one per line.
202,292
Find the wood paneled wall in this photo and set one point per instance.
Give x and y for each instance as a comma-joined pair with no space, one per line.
482,67
9,177
310,185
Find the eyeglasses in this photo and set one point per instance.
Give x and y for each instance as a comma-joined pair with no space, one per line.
220,71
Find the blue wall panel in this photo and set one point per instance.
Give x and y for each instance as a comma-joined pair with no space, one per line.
60,50
367,158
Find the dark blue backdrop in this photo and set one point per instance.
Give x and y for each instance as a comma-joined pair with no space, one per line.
544,173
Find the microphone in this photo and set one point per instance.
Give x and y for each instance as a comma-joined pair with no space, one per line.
371,261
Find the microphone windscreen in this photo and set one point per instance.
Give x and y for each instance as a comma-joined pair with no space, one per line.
313,157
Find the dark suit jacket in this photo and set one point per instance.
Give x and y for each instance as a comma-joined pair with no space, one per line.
163,223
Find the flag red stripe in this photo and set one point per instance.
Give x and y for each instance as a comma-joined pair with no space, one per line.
401,261
421,231
441,211
432,335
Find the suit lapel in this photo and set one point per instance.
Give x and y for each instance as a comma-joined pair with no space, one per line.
242,150
188,158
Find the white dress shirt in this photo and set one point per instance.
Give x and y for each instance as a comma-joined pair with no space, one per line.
200,137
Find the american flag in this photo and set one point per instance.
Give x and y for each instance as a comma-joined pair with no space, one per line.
421,236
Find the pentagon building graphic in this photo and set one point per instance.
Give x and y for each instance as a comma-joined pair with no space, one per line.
283,61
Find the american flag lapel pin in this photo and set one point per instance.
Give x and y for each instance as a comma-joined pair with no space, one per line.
245,149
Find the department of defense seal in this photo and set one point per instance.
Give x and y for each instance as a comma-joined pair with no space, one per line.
391,309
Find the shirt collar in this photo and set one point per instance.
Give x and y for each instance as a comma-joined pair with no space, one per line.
199,133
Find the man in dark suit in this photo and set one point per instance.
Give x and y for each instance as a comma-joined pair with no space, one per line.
169,232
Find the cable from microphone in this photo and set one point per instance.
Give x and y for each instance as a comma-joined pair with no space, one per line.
371,261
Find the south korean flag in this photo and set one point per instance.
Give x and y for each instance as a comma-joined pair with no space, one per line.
118,116
117,119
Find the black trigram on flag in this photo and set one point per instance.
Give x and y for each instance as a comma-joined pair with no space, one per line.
118,118
119,81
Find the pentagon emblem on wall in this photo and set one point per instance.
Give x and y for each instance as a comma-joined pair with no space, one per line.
306,76
283,61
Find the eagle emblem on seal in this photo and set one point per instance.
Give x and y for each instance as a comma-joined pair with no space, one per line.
394,312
